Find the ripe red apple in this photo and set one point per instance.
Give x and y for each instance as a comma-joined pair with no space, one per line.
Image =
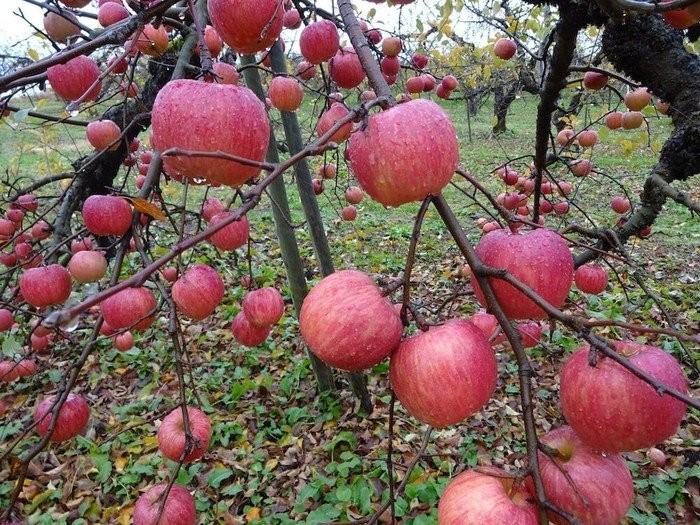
486,495
286,93
620,204
587,138
328,171
103,134
395,163
581,167
637,99
213,41
679,18
87,266
594,80
179,507
76,77
613,120
631,119
305,70
152,40
391,46
319,41
79,245
317,185
348,213
60,27
539,258
445,374
73,416
291,19
75,3
201,116
591,278
530,333
662,107
566,137
328,119
595,488
225,73
248,26
246,333
124,341
390,65
131,308
263,307
8,371
40,230
6,319
46,285
505,48
345,68
419,60
107,215
450,82
111,13
353,195
172,439
488,324
27,202
613,410
429,82
347,322
232,236
198,291
210,207
415,84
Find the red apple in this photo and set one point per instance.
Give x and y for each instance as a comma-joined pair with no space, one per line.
595,488
613,120
450,82
246,333
487,496
594,80
505,48
75,3
291,19
679,18
415,84
76,77
41,230
317,185
152,40
345,68
419,60
305,70
8,371
613,410
28,202
540,259
103,134
530,333
210,207
566,137
319,41
124,341
444,375
198,291
107,215
637,99
172,439
286,93
132,308
390,66
6,319
73,417
395,163
201,116
26,368
391,46
232,236
631,119
263,307
225,73
179,507
581,167
213,41
428,82
329,118
46,285
79,245
591,278
489,326
248,26
111,13
620,204
353,195
587,138
60,27
662,107
328,171
87,266
348,213
347,322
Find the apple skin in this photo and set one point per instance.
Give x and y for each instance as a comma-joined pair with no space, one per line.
620,204
45,285
172,439
444,375
179,507
232,236
87,266
591,278
345,68
248,26
286,93
263,307
209,117
107,215
226,73
613,410
130,308
505,48
603,489
613,120
347,322
328,119
319,41
6,319
594,80
72,417
103,134
395,163
124,341
539,259
247,334
637,99
631,119
198,292
111,13
487,496
74,78
61,27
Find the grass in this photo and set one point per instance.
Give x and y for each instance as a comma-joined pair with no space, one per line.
283,454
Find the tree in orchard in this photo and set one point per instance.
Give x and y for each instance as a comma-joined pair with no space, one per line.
183,159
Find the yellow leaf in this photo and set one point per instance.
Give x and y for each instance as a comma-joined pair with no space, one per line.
33,55
253,513
120,463
150,441
271,464
125,515
147,207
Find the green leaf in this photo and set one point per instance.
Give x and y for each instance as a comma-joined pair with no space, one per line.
217,476
323,514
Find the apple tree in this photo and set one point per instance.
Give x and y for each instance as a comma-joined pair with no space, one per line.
177,219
